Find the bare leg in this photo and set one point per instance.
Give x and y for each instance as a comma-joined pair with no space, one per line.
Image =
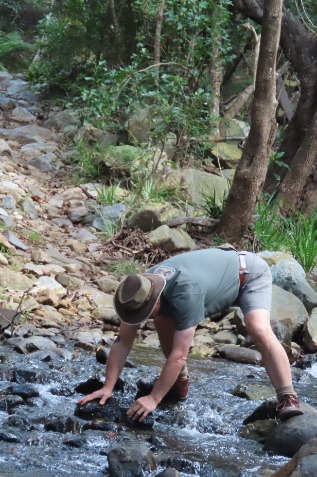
274,357
165,327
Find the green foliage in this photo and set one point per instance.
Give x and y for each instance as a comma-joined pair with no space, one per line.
212,206
76,39
123,268
296,234
34,236
12,48
87,159
303,240
107,195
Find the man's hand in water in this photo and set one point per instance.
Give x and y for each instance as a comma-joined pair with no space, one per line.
103,394
141,408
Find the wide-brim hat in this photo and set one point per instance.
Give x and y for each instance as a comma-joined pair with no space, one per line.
137,295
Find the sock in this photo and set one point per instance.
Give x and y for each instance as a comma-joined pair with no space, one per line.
285,390
184,372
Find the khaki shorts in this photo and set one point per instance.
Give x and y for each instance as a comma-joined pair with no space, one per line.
256,294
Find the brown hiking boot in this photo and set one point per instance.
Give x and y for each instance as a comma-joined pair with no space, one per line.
178,392
288,406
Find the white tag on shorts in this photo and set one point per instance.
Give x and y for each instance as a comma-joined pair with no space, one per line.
167,272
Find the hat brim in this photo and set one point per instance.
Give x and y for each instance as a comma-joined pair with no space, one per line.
135,318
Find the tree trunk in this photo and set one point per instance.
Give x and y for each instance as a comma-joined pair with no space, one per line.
293,187
157,42
300,47
252,168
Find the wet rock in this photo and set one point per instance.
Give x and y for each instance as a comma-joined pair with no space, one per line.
9,437
182,465
258,430
61,424
89,386
240,354
130,460
148,422
8,402
289,436
100,425
303,464
110,411
267,410
26,391
169,473
76,441
35,343
19,421
253,391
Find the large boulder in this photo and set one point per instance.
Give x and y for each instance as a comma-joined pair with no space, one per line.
288,274
197,184
291,435
303,464
310,333
287,309
171,240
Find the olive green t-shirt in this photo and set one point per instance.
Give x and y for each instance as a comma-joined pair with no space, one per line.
198,284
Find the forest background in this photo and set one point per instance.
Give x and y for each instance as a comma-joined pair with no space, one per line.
196,64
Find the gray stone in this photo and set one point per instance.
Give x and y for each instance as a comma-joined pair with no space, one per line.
198,183
288,274
7,221
37,343
225,337
7,104
44,163
47,290
171,240
14,280
107,284
78,214
310,333
27,134
29,208
22,115
83,235
14,240
63,119
291,435
9,202
5,148
130,459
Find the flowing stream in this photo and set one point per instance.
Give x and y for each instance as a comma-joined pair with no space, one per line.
202,431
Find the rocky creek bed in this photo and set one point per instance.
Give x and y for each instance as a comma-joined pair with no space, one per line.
41,435
56,308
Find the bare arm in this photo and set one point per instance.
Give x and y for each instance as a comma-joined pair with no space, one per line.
116,360
173,365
